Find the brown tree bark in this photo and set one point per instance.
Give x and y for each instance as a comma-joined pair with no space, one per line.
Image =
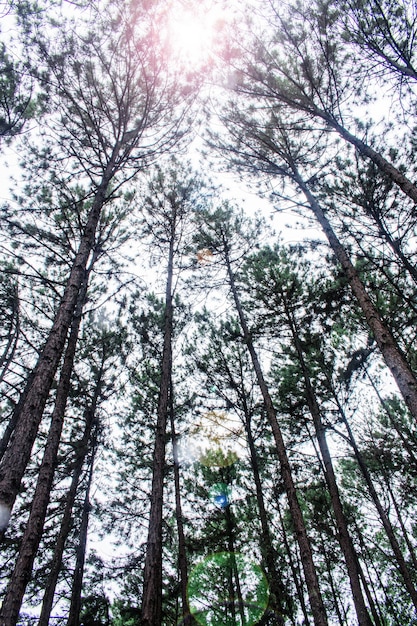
266,545
397,177
344,537
379,612
277,592
77,581
17,455
294,568
182,550
12,601
290,91
66,521
394,358
316,601
152,585
337,600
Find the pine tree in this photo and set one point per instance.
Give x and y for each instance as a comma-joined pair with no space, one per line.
303,67
116,115
223,235
167,215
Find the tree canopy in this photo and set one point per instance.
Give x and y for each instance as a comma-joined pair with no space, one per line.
208,365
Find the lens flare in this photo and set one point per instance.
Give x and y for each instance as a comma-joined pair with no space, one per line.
216,437
193,33
204,256
220,494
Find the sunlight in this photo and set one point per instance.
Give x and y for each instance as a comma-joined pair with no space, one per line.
193,33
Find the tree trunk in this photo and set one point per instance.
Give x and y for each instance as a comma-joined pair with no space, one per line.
377,593
389,348
316,601
293,567
30,412
152,585
400,429
371,601
385,166
20,577
82,449
395,245
182,552
404,531
402,566
337,601
11,425
344,537
267,548
235,589
12,332
308,106
77,582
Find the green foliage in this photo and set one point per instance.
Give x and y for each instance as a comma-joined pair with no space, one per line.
124,615
210,596
17,104
95,611
114,101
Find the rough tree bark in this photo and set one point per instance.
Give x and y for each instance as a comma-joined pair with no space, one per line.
17,455
77,581
182,551
394,358
20,577
67,519
344,537
316,601
152,586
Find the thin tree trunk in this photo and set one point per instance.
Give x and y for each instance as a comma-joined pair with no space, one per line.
294,572
77,582
405,533
182,552
394,358
30,412
267,548
316,601
395,247
375,608
20,577
11,425
236,596
152,585
56,564
13,333
385,166
344,537
388,601
336,595
392,172
402,566
399,429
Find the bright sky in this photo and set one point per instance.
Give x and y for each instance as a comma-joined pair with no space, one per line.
193,32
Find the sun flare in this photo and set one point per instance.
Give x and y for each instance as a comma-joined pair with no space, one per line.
194,33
